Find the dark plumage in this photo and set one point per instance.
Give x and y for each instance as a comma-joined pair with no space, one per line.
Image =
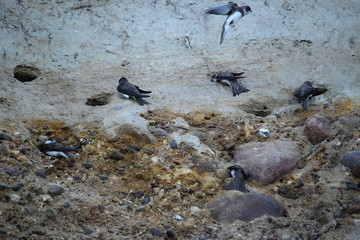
234,13
306,91
231,79
129,90
53,148
238,179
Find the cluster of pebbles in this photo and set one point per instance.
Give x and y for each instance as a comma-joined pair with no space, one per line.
302,178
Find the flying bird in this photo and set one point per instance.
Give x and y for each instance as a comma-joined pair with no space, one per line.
129,90
234,13
231,79
306,91
53,148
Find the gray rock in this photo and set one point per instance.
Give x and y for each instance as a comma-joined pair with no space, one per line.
203,163
41,173
159,132
99,99
55,190
266,162
173,144
4,136
38,230
12,171
234,205
350,122
141,135
317,129
116,156
352,161
87,230
156,232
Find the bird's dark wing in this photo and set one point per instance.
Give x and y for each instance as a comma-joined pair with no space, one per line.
238,74
142,91
220,10
59,147
236,87
237,185
129,89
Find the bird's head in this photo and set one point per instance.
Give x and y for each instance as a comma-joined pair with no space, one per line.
122,80
50,140
247,10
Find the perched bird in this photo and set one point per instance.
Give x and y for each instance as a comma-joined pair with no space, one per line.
53,148
238,178
232,80
129,90
234,13
306,91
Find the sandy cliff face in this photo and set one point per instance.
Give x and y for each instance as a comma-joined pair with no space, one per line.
83,47
156,175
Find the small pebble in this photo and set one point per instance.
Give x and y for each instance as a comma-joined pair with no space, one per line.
173,144
28,195
88,165
299,184
87,230
101,208
55,190
156,232
139,194
116,156
17,187
41,173
4,187
66,204
39,230
38,190
160,132
149,151
14,198
12,171
4,136
145,200
195,211
178,218
103,178
170,234
141,209
133,148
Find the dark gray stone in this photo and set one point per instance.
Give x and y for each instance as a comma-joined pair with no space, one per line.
266,162
41,173
4,136
145,200
55,190
173,144
156,232
87,230
12,171
234,205
39,230
317,129
99,99
116,156
352,161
